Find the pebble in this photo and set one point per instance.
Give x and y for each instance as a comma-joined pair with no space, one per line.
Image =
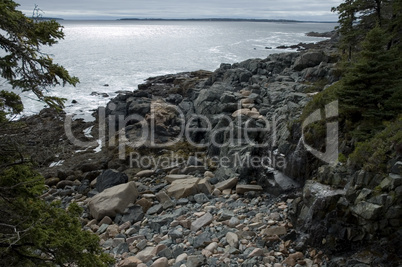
216,229
161,262
232,239
181,257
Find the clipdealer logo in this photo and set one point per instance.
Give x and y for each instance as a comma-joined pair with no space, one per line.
330,155
110,135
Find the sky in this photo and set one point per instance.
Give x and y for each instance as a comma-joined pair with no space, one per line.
310,10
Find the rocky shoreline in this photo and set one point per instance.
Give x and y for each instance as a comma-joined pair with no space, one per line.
179,205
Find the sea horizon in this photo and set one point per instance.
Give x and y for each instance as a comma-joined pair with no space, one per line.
215,19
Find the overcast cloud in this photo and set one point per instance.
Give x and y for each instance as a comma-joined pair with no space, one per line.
317,10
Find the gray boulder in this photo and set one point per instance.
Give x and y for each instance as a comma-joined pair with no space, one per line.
133,214
110,178
113,200
139,107
309,59
366,210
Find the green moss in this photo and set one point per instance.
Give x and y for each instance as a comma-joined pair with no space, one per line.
342,158
394,196
320,100
315,134
377,190
317,86
373,154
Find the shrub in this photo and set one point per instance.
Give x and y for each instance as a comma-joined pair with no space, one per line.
36,233
373,154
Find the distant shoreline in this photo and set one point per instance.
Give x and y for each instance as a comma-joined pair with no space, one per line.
46,18
204,19
228,19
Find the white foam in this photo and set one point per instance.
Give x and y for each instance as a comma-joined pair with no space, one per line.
99,147
56,163
87,132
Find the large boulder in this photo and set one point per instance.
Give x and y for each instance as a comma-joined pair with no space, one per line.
309,59
187,187
366,210
183,188
208,101
227,184
244,188
113,200
110,178
318,201
139,106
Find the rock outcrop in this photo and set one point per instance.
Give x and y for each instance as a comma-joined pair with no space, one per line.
264,95
210,169
340,208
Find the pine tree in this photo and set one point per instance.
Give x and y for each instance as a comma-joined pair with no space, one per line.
358,17
35,233
369,88
394,26
347,17
22,63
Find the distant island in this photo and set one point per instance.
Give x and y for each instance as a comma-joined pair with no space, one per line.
200,19
226,19
46,18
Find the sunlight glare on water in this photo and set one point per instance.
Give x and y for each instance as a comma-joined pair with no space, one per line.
122,54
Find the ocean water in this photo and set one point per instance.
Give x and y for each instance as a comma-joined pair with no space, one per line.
122,54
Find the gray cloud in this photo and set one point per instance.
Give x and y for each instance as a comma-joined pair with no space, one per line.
318,10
